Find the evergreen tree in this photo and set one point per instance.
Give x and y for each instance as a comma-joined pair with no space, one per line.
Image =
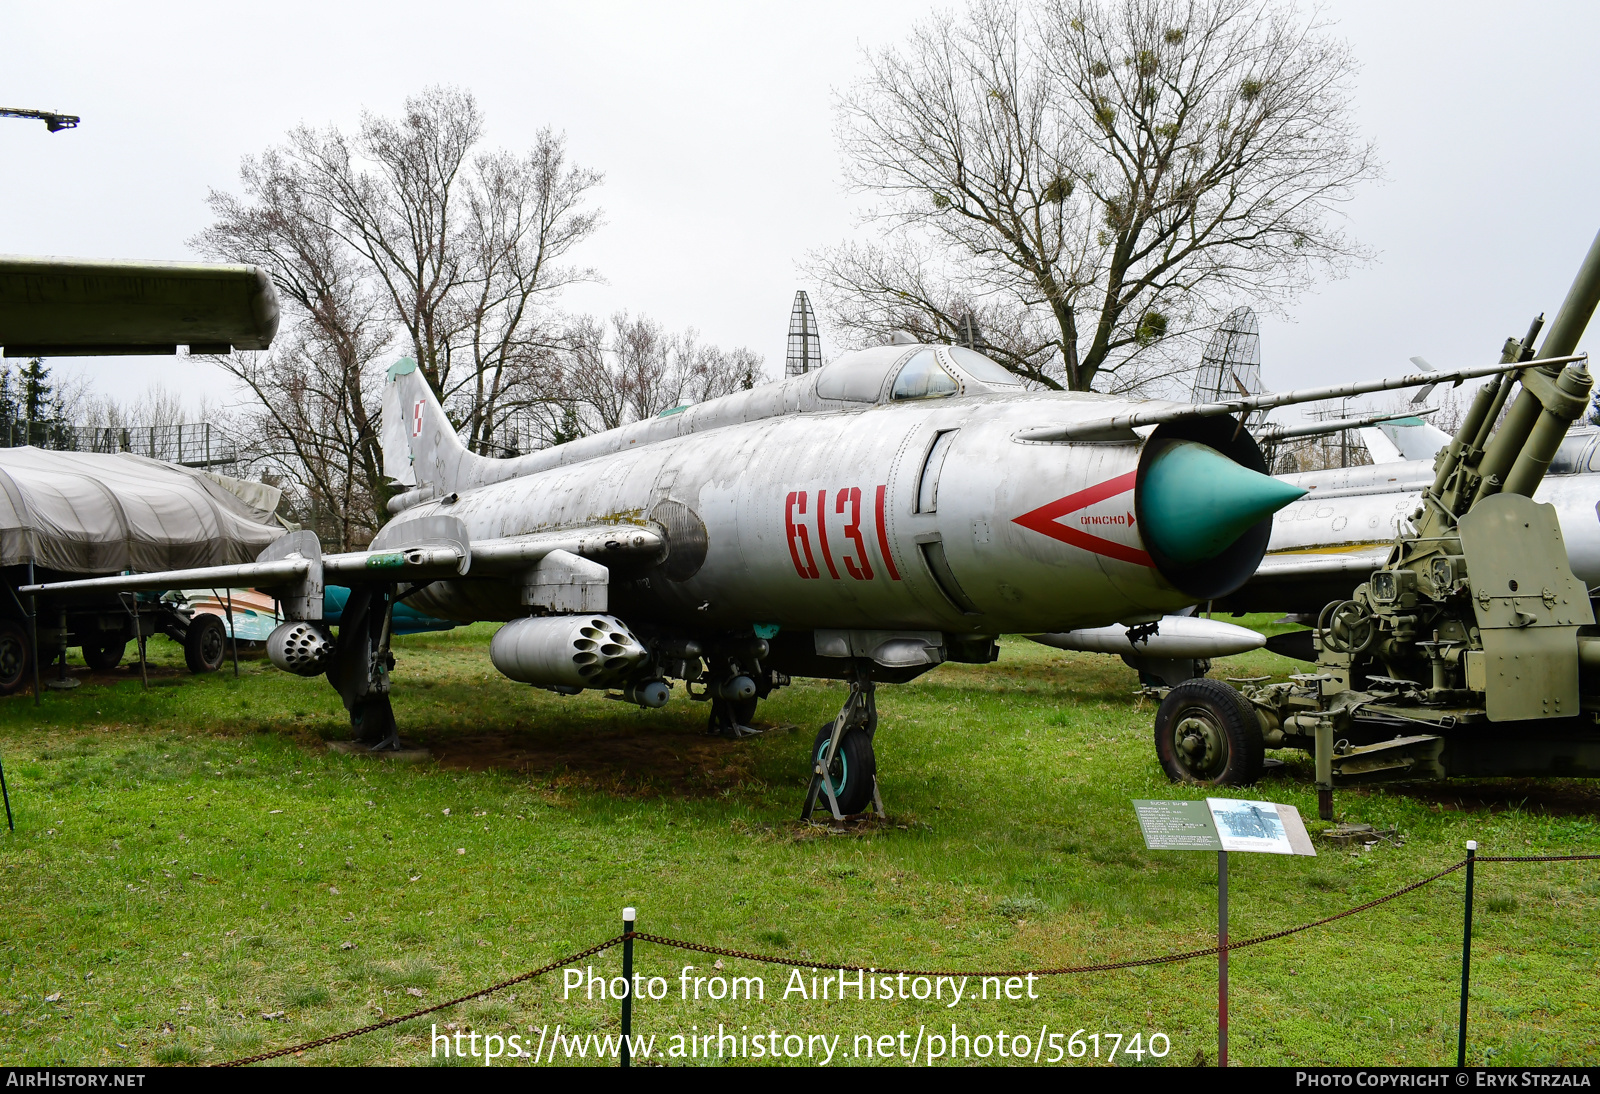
36,402
10,406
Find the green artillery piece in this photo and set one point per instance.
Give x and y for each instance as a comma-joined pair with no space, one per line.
1473,650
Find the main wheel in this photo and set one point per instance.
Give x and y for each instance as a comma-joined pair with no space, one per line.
14,653
853,770
1205,735
104,656
205,643
728,715
373,719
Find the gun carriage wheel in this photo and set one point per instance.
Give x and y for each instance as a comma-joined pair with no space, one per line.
1207,733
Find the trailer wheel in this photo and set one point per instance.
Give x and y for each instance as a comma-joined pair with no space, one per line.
1203,736
854,768
14,654
105,656
204,644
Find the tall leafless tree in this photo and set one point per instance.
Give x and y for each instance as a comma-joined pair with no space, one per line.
632,368
1094,178
401,233
465,250
313,421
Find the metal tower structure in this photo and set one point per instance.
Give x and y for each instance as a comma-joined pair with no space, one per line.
968,334
1232,359
805,344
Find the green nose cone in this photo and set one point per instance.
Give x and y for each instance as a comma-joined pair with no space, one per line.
1195,501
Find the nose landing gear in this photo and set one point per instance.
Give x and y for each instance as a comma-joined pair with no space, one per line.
844,770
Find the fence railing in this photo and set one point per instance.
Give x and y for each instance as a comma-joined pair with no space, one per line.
199,444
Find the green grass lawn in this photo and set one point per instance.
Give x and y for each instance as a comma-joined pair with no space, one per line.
191,858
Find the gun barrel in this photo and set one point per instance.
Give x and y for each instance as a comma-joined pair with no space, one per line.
1576,310
1518,456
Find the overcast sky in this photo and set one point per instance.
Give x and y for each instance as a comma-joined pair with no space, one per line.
713,126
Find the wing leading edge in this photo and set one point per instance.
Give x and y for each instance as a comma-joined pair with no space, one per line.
430,549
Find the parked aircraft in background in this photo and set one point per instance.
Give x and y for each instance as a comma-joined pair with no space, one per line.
255,614
1328,541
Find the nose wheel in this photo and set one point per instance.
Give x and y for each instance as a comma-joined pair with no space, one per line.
844,769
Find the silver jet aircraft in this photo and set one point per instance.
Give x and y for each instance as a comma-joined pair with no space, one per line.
898,508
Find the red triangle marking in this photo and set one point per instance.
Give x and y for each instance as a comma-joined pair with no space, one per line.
1046,521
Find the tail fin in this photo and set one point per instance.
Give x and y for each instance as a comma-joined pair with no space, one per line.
420,446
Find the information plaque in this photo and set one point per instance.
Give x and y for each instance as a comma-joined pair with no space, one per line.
1177,825
1223,824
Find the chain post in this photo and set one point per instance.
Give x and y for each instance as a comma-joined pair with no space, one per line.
1222,959
629,915
1466,958
10,824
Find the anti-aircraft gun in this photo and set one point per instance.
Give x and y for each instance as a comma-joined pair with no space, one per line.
1473,650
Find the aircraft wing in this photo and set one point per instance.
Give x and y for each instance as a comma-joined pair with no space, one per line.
1123,425
66,307
244,575
1304,581
426,549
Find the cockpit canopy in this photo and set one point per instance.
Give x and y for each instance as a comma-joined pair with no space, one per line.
899,373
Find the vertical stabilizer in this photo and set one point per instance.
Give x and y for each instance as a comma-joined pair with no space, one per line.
392,430
420,446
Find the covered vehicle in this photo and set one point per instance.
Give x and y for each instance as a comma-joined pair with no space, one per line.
87,513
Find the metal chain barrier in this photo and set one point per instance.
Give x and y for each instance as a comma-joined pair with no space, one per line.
331,1039
742,955
1066,970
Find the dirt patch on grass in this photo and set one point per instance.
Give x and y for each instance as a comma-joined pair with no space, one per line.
635,763
1542,797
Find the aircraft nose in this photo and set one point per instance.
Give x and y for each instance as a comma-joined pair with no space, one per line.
1194,501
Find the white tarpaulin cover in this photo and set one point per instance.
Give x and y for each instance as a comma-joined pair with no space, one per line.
96,513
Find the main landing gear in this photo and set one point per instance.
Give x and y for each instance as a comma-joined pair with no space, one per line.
732,717
844,771
361,665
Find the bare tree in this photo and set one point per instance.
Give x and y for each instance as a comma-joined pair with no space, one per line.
1094,177
303,432
631,368
400,233
314,423
526,215
465,250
